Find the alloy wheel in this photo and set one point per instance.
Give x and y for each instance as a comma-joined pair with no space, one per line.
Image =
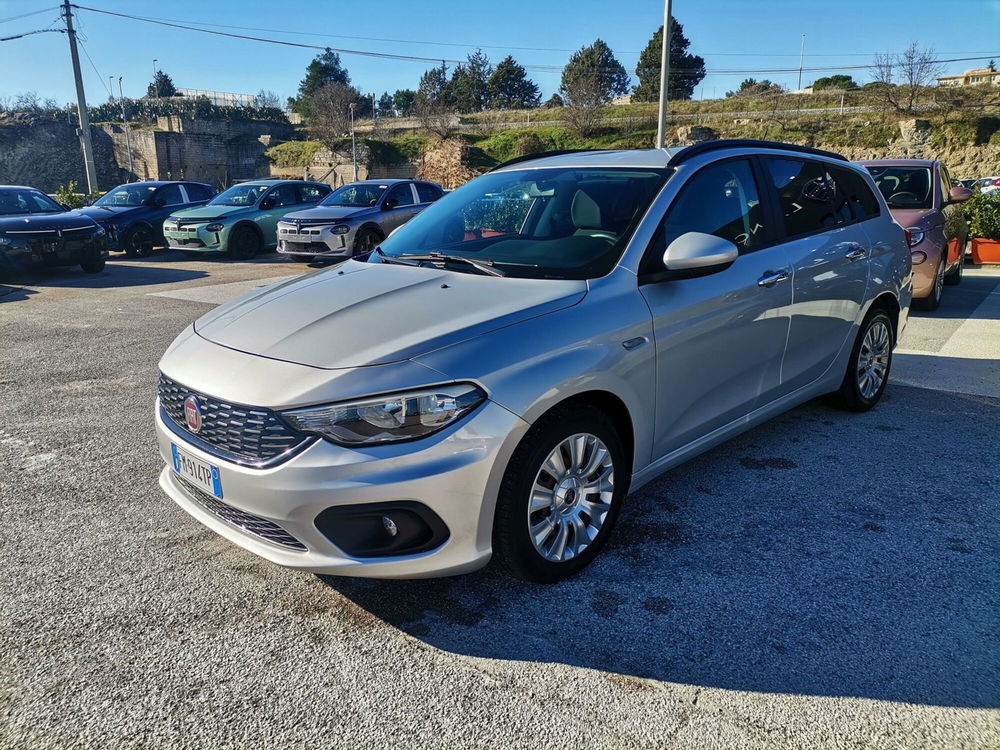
571,497
873,359
939,281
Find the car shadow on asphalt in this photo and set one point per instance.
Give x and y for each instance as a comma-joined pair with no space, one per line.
821,553
113,275
963,302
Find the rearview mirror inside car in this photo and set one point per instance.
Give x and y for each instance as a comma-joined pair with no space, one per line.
959,194
697,250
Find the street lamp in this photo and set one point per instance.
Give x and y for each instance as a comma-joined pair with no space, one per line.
128,138
156,89
802,54
354,149
661,127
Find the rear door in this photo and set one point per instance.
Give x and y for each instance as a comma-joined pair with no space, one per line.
821,217
719,337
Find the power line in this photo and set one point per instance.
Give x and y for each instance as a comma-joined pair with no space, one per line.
26,15
29,33
100,76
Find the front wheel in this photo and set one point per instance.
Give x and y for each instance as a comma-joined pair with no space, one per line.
366,240
868,368
933,300
138,242
244,243
560,495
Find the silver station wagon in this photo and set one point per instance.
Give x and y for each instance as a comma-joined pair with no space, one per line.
494,378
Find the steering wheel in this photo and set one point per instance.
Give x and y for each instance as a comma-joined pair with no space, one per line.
906,193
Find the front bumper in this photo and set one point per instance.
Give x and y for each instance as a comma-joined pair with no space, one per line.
315,240
194,237
455,473
52,251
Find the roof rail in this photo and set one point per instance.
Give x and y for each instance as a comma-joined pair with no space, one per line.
706,146
543,154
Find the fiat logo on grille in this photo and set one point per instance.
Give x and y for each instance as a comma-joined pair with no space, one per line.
192,413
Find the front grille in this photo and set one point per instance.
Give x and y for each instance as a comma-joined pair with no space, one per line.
248,522
239,433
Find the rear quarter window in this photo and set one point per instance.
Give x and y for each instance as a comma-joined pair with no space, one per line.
427,193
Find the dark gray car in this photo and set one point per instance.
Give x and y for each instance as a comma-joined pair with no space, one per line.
353,219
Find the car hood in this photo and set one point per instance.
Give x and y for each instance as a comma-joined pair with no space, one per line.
913,217
333,213
44,222
362,314
105,214
214,212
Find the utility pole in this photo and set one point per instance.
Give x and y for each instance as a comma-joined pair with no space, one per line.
156,89
81,103
128,138
802,54
354,149
661,128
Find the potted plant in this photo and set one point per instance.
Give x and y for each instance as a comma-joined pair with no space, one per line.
983,212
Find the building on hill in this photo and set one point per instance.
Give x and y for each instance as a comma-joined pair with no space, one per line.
973,77
219,98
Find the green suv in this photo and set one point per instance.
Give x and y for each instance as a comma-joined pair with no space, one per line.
241,221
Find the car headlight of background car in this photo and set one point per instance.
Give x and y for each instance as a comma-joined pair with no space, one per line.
214,227
916,236
340,229
388,419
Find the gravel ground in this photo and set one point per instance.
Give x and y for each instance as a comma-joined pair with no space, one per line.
823,580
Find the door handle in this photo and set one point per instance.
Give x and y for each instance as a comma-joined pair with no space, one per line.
857,254
773,278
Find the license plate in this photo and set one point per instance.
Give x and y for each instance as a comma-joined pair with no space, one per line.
196,471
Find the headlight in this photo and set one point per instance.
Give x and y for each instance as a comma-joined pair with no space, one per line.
341,229
388,419
916,236
214,227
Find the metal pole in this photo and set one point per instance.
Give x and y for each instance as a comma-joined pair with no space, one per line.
661,127
802,54
354,149
81,103
128,139
156,89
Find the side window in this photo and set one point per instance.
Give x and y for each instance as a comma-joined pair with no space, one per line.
284,195
311,193
860,198
402,194
427,193
806,195
197,192
170,195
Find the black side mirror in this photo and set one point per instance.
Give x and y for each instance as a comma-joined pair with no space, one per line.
389,203
267,203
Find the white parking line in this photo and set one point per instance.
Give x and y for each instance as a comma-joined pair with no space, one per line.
216,294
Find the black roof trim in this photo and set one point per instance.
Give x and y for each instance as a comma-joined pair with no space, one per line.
543,154
706,146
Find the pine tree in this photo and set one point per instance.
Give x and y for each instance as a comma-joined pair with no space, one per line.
325,68
467,89
402,102
510,88
686,71
161,86
592,76
385,108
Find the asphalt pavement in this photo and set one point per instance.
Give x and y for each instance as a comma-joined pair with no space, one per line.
826,579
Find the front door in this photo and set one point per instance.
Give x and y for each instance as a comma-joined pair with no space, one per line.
404,209
719,337
953,225
281,200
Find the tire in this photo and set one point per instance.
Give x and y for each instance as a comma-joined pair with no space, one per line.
933,300
93,266
513,546
138,242
872,350
366,240
954,276
303,258
244,243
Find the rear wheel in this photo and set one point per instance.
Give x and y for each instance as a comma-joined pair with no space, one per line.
366,240
868,368
560,495
138,242
244,243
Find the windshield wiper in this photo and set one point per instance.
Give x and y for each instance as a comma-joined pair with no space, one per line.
392,258
486,266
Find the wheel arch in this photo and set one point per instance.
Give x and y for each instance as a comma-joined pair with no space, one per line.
887,302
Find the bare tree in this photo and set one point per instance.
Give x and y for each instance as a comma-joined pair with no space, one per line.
903,79
584,98
436,116
267,98
330,115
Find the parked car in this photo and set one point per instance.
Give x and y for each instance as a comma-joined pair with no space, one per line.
499,373
971,184
37,231
920,196
133,214
353,219
242,220
989,185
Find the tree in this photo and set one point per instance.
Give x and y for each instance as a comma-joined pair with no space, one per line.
330,112
385,108
841,82
432,103
402,102
325,68
467,89
593,73
554,101
267,99
686,71
753,87
510,88
904,78
161,86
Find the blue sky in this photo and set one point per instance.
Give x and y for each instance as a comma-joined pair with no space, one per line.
729,34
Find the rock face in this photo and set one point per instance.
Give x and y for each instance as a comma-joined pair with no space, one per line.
688,135
962,162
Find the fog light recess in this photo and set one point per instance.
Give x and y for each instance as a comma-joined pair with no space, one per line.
383,529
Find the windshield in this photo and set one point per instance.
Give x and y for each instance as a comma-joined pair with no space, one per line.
557,223
904,187
240,195
14,201
358,195
126,195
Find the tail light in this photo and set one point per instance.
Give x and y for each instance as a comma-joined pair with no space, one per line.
997,182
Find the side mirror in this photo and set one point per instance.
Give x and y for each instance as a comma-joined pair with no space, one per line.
959,194
694,251
389,203
267,203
